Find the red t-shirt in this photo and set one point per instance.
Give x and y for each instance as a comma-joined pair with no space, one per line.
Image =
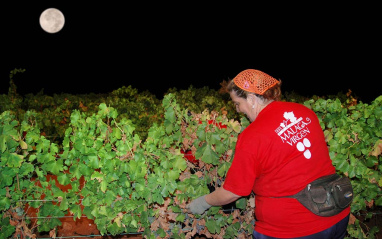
278,155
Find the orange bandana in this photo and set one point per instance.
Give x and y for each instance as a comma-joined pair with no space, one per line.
254,81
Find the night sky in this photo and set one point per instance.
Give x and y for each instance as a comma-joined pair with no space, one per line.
314,49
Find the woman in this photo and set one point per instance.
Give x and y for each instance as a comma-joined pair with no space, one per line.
277,155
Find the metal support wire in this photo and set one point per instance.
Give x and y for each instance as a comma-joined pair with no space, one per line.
43,200
54,217
90,236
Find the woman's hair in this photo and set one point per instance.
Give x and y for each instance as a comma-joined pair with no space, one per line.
273,93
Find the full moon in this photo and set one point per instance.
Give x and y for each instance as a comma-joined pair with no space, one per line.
52,20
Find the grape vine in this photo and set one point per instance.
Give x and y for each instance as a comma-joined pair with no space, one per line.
120,161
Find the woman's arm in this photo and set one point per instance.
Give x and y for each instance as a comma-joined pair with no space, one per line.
221,197
217,198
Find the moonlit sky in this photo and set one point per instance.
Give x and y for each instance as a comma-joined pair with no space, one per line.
315,49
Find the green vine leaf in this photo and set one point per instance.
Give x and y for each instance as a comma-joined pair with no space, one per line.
223,169
241,203
7,175
64,204
3,143
74,170
63,179
13,160
54,166
76,210
5,203
180,218
93,161
97,175
179,163
207,155
213,227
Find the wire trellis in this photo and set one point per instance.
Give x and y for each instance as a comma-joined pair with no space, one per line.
91,236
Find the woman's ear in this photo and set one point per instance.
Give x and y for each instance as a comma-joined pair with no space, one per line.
251,99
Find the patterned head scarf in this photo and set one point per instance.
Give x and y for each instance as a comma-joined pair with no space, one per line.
254,81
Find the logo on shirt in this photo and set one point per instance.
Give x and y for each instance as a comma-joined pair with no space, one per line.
294,131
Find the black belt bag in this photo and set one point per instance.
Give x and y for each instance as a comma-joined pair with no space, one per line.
326,196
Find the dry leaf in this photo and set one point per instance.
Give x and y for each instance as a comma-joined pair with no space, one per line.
370,204
352,219
154,225
164,224
199,174
172,216
243,236
236,214
7,194
13,223
52,233
189,235
251,202
377,149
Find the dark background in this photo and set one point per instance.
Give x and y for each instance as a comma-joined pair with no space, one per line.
315,49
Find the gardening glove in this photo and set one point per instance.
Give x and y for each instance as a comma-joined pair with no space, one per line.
198,206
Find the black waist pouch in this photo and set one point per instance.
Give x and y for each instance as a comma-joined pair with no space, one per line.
326,196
